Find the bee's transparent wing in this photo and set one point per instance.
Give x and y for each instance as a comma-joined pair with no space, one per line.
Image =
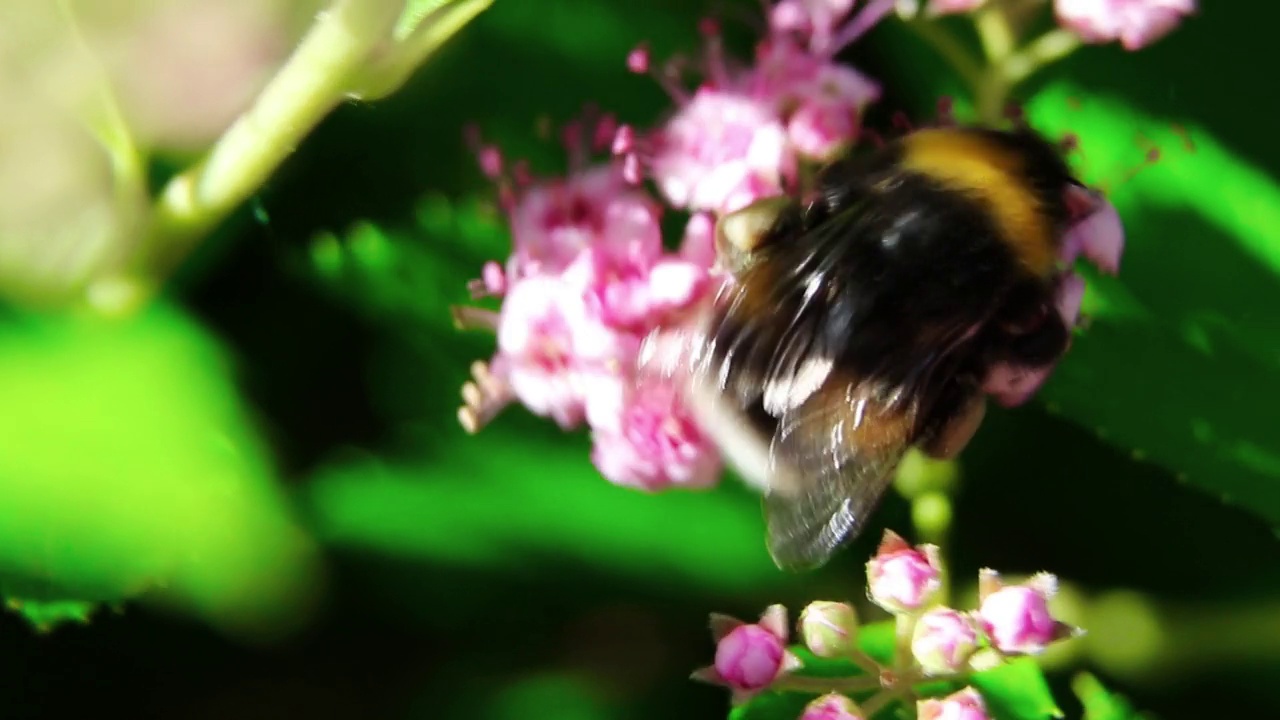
833,458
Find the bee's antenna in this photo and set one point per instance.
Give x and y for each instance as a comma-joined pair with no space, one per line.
901,122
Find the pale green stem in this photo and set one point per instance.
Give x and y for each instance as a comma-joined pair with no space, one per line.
904,626
995,32
821,685
946,45
1006,65
429,34
1050,47
312,82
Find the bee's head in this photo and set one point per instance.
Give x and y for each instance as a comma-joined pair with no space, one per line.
742,235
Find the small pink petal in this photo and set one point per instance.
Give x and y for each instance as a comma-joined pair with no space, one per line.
638,59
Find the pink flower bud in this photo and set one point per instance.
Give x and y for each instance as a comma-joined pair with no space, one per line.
1017,617
944,640
638,59
965,704
749,657
829,628
901,578
832,706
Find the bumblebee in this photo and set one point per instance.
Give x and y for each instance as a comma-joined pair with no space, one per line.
862,320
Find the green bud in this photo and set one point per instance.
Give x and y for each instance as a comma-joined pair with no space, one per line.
829,628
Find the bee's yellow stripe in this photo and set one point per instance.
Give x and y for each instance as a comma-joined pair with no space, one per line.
972,164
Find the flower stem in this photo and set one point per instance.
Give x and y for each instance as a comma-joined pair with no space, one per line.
946,45
311,83
1050,47
807,684
995,32
348,51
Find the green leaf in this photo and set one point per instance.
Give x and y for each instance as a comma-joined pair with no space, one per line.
1099,703
412,275
483,503
572,699
1017,690
772,706
44,616
1182,359
128,469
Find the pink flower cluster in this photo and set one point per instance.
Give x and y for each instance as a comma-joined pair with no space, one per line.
742,134
1010,620
589,278
905,580
1134,23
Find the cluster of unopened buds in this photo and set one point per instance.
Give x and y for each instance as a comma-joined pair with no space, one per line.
589,277
935,642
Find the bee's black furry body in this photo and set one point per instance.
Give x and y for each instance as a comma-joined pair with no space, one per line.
904,277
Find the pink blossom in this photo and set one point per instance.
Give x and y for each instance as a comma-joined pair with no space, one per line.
832,706
720,151
749,657
820,101
943,641
555,221
1097,234
699,242
901,578
821,130
814,21
549,344
645,438
1135,23
965,704
950,7
625,278
1017,617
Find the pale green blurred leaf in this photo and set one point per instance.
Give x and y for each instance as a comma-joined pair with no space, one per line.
45,615
1099,703
505,500
128,467
1017,690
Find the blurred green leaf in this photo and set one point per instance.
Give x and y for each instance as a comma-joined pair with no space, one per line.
562,697
129,468
47,615
1099,703
411,274
1017,690
504,499
1182,361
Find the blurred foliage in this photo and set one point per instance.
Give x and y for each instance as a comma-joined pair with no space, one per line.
1099,703
89,511
298,390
